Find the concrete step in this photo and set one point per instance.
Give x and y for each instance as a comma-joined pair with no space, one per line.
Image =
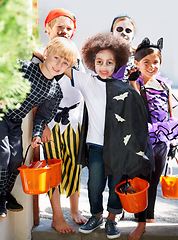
155,231
166,216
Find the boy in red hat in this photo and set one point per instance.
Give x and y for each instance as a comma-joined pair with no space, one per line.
64,128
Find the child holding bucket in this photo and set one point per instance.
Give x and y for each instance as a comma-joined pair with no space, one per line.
64,128
115,132
46,92
156,93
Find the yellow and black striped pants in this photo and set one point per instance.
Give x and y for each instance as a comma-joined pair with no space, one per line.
65,146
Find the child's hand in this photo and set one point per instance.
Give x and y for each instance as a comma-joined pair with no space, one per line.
134,74
46,134
35,142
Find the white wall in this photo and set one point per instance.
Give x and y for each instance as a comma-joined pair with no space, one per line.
154,19
18,225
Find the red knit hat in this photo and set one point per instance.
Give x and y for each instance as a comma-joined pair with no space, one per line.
60,12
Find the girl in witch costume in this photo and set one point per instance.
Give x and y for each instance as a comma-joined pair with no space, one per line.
115,133
61,136
156,93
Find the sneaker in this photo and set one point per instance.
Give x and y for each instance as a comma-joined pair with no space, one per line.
111,230
3,211
92,224
12,203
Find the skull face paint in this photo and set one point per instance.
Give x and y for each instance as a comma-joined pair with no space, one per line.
124,29
105,63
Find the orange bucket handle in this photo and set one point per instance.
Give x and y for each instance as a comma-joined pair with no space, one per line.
126,186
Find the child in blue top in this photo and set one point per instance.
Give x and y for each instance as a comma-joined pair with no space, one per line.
116,130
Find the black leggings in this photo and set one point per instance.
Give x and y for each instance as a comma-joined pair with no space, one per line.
160,155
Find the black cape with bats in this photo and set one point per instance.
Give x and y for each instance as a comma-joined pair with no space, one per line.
127,149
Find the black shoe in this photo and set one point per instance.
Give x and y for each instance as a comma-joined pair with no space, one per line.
111,230
12,203
3,211
92,224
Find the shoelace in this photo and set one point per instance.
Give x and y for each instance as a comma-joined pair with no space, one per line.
92,220
111,226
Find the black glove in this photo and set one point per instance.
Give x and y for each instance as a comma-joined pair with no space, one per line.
172,151
134,76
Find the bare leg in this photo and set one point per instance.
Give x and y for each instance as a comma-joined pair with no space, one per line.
150,221
138,231
75,214
111,216
58,222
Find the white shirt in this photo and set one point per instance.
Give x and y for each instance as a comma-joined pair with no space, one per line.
71,96
94,92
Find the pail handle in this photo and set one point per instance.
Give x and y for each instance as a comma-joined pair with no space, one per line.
126,186
43,154
166,169
26,153
171,155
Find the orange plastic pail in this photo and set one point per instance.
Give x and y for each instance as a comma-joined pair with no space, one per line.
55,165
134,202
169,186
35,178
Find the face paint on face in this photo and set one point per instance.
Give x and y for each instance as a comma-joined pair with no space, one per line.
105,63
124,29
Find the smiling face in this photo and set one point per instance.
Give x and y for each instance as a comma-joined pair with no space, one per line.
149,65
124,29
105,63
62,27
53,65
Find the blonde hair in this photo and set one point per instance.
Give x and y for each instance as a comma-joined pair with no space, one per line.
52,22
63,47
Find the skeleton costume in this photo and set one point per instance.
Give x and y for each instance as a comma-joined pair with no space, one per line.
122,73
44,92
126,33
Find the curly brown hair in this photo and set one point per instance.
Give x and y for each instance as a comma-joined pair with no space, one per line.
100,42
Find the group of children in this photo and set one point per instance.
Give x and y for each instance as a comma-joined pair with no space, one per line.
97,120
